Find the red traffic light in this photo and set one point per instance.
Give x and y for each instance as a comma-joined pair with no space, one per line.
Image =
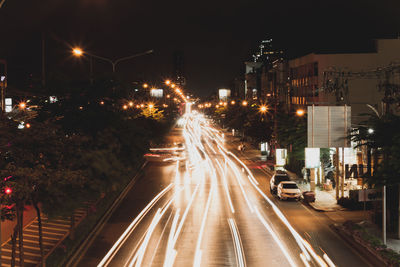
7,190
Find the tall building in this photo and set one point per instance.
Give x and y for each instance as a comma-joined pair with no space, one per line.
179,74
257,71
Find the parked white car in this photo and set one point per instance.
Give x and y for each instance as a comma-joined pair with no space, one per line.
288,190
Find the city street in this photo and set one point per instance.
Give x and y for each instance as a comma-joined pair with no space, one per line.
213,212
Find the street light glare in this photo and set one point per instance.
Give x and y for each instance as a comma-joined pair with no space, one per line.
244,103
300,112
263,109
167,82
22,105
77,52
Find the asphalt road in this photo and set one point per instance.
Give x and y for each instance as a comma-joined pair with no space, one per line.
213,211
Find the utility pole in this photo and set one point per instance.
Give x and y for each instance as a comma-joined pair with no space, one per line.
43,61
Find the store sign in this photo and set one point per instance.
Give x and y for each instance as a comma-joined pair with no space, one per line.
8,104
157,93
369,195
312,158
281,154
224,94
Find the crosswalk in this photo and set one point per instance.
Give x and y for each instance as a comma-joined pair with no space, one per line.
54,231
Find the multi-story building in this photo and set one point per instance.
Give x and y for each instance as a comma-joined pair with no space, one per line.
353,79
257,75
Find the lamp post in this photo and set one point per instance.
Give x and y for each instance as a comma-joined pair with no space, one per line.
78,52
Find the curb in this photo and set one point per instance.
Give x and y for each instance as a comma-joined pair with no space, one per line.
370,257
83,247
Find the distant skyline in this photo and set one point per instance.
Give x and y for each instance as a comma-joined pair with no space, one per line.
216,37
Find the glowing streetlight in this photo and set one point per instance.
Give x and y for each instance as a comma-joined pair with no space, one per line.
22,105
28,125
130,103
125,107
168,96
300,112
263,109
151,105
370,131
173,85
167,82
233,102
77,52
101,102
142,105
244,103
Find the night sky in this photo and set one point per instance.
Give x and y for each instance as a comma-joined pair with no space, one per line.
216,37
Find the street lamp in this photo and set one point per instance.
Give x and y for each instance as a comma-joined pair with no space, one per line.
300,112
244,103
167,82
79,52
263,109
22,105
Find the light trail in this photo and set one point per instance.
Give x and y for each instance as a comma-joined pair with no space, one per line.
225,184
275,237
121,240
138,258
237,243
170,254
303,258
307,250
239,181
159,240
328,260
197,259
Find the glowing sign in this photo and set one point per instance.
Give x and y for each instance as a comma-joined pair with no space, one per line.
224,94
312,158
157,93
281,154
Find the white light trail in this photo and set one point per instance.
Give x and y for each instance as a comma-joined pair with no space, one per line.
303,258
275,237
121,240
225,184
237,243
170,254
328,260
197,259
138,258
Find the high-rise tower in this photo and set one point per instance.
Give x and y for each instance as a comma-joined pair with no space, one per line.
179,75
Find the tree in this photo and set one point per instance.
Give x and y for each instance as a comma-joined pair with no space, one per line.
292,134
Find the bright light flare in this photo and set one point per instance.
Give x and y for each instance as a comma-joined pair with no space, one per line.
300,112
77,51
263,108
